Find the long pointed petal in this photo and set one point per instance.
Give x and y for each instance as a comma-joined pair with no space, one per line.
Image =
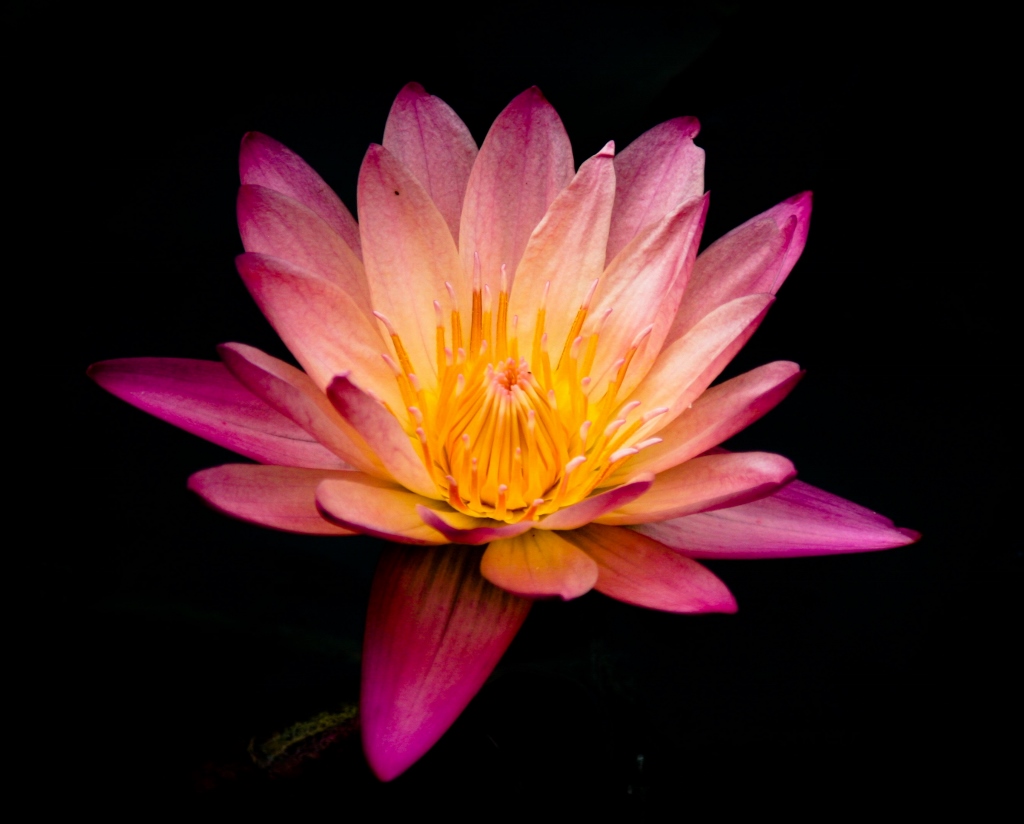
320,324
706,483
204,398
567,251
539,564
425,134
642,287
371,506
754,258
383,434
524,162
280,497
717,415
293,393
435,630
797,520
654,174
272,224
686,368
263,161
638,570
409,255
594,507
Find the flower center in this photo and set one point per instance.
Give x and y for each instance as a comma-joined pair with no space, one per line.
510,438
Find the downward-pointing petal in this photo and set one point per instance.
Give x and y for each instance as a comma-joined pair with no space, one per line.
434,631
202,397
265,162
539,564
637,570
654,174
705,483
280,497
524,162
797,520
434,144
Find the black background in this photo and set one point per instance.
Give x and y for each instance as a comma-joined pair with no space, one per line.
163,637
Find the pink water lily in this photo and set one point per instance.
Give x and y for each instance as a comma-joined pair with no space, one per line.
506,370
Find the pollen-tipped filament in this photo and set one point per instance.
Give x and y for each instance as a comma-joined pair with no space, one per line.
509,438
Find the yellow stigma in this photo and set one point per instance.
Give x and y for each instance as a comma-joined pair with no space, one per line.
509,438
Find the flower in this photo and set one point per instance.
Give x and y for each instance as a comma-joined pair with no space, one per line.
506,364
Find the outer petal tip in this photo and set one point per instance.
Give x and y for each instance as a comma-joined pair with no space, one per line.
912,534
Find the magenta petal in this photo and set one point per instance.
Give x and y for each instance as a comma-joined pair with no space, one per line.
383,434
524,162
476,531
263,161
654,174
754,258
280,497
435,630
434,144
204,398
799,519
277,226
589,509
292,393
637,570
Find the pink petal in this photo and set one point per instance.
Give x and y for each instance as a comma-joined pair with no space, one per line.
684,369
425,134
203,398
653,175
797,520
281,497
371,506
539,564
717,415
275,225
642,287
592,508
292,393
706,483
754,258
263,161
435,630
320,324
409,255
383,434
637,570
524,162
465,529
567,251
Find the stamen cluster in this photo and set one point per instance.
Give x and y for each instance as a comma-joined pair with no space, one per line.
511,438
